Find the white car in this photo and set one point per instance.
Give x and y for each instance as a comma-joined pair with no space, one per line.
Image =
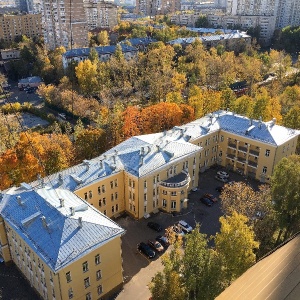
223,174
185,226
220,178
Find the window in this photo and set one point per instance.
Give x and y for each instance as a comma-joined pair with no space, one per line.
103,189
173,193
112,197
70,292
145,208
85,196
87,282
129,182
68,276
104,201
100,202
98,274
97,259
133,184
116,182
145,184
130,195
88,296
194,160
111,184
145,197
154,180
222,138
85,266
113,209
220,153
173,205
164,203
117,207
99,289
104,212
264,170
116,196
157,178
133,196
283,150
267,152
90,194
99,190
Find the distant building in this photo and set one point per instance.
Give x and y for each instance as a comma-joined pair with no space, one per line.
231,41
104,52
140,43
157,7
10,54
13,26
34,81
101,14
288,13
63,246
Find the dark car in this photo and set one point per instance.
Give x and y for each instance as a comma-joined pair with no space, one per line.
146,250
154,226
163,240
210,197
206,201
155,245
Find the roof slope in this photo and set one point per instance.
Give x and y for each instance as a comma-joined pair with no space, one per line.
57,236
277,276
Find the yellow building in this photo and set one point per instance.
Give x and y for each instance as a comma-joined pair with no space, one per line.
156,171
63,246
12,26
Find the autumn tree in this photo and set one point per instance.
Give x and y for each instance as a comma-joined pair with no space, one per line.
285,185
235,245
103,38
86,73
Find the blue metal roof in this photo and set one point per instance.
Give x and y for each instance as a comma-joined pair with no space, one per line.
140,41
51,230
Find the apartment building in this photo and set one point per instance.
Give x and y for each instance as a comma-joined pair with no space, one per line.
157,7
101,14
13,26
64,23
288,13
64,247
156,171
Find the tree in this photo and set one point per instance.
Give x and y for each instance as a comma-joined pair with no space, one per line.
202,22
285,185
235,245
103,38
86,73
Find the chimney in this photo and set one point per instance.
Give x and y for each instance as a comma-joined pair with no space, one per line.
45,225
87,164
141,160
116,152
142,150
259,122
80,222
101,164
19,199
60,179
72,209
62,202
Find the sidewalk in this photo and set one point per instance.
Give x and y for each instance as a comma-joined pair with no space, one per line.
137,287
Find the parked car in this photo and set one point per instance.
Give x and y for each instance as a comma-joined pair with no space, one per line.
185,226
211,197
146,250
178,231
223,174
163,240
206,201
220,178
154,226
157,246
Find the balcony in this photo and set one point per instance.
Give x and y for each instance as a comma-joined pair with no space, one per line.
176,181
254,152
252,164
231,156
232,145
241,159
243,149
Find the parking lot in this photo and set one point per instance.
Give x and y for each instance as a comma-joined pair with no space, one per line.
197,212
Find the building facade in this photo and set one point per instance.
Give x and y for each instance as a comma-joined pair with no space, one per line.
10,54
101,14
13,26
64,247
157,7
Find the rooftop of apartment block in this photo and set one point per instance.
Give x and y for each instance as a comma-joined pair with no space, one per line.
145,154
58,225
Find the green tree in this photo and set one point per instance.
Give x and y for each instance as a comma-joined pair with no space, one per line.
285,185
202,22
235,244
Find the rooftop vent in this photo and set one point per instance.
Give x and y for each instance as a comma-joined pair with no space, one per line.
141,160
76,178
142,151
80,222
26,186
249,129
82,207
157,148
19,199
100,164
60,179
62,202
86,163
44,222
72,210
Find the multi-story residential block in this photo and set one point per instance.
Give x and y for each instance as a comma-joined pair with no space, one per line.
156,171
104,53
64,23
157,7
64,247
288,13
231,41
100,14
13,26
